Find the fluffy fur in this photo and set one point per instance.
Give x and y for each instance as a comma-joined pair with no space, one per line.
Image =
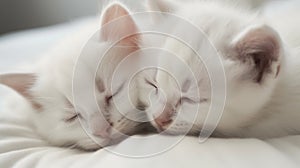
84,123
261,74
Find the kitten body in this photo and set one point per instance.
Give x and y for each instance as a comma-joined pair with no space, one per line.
72,100
260,69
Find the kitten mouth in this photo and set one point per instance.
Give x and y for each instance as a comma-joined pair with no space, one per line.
163,121
162,126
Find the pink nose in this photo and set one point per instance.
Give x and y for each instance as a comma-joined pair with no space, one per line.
102,131
165,118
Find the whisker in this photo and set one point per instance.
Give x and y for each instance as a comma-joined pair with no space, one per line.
68,109
50,98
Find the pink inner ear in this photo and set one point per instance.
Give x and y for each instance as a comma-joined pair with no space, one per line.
113,12
263,39
262,45
21,83
117,24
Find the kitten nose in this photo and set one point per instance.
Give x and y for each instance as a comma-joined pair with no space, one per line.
165,118
103,131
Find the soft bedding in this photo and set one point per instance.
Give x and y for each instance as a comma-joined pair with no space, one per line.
21,147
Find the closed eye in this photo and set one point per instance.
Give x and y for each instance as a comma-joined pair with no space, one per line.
191,101
109,98
184,99
72,118
188,100
152,84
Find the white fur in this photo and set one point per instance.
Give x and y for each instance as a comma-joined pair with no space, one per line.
263,110
53,90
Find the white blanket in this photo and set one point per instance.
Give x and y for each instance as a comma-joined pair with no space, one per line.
20,147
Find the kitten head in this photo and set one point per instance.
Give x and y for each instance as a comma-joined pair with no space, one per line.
65,117
251,53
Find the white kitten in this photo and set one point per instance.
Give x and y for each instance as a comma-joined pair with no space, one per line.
49,88
261,75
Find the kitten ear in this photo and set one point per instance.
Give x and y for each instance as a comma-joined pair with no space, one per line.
162,5
21,83
261,47
117,24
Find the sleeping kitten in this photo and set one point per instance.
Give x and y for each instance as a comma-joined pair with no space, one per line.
261,75
62,113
